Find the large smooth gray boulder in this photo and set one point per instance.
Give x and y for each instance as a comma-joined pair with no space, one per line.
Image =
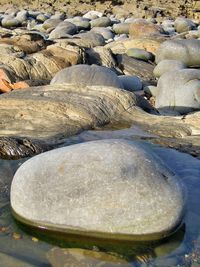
118,189
168,65
185,50
87,75
179,90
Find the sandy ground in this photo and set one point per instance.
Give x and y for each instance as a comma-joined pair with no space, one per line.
138,8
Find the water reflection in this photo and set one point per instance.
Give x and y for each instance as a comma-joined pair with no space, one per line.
19,248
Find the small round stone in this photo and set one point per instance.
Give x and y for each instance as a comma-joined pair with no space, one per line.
140,54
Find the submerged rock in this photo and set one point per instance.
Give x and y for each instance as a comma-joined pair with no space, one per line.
109,193
84,258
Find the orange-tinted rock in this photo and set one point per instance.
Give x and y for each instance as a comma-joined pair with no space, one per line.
5,86
19,85
142,28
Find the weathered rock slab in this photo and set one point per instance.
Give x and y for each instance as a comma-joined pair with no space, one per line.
63,110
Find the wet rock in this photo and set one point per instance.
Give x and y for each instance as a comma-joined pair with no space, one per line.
141,28
83,258
184,25
150,195
10,261
140,54
131,83
87,75
182,94
100,22
166,261
15,148
187,51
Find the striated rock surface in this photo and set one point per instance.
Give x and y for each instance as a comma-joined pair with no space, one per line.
63,110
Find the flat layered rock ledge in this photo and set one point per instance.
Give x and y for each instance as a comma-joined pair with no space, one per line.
108,194
61,110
